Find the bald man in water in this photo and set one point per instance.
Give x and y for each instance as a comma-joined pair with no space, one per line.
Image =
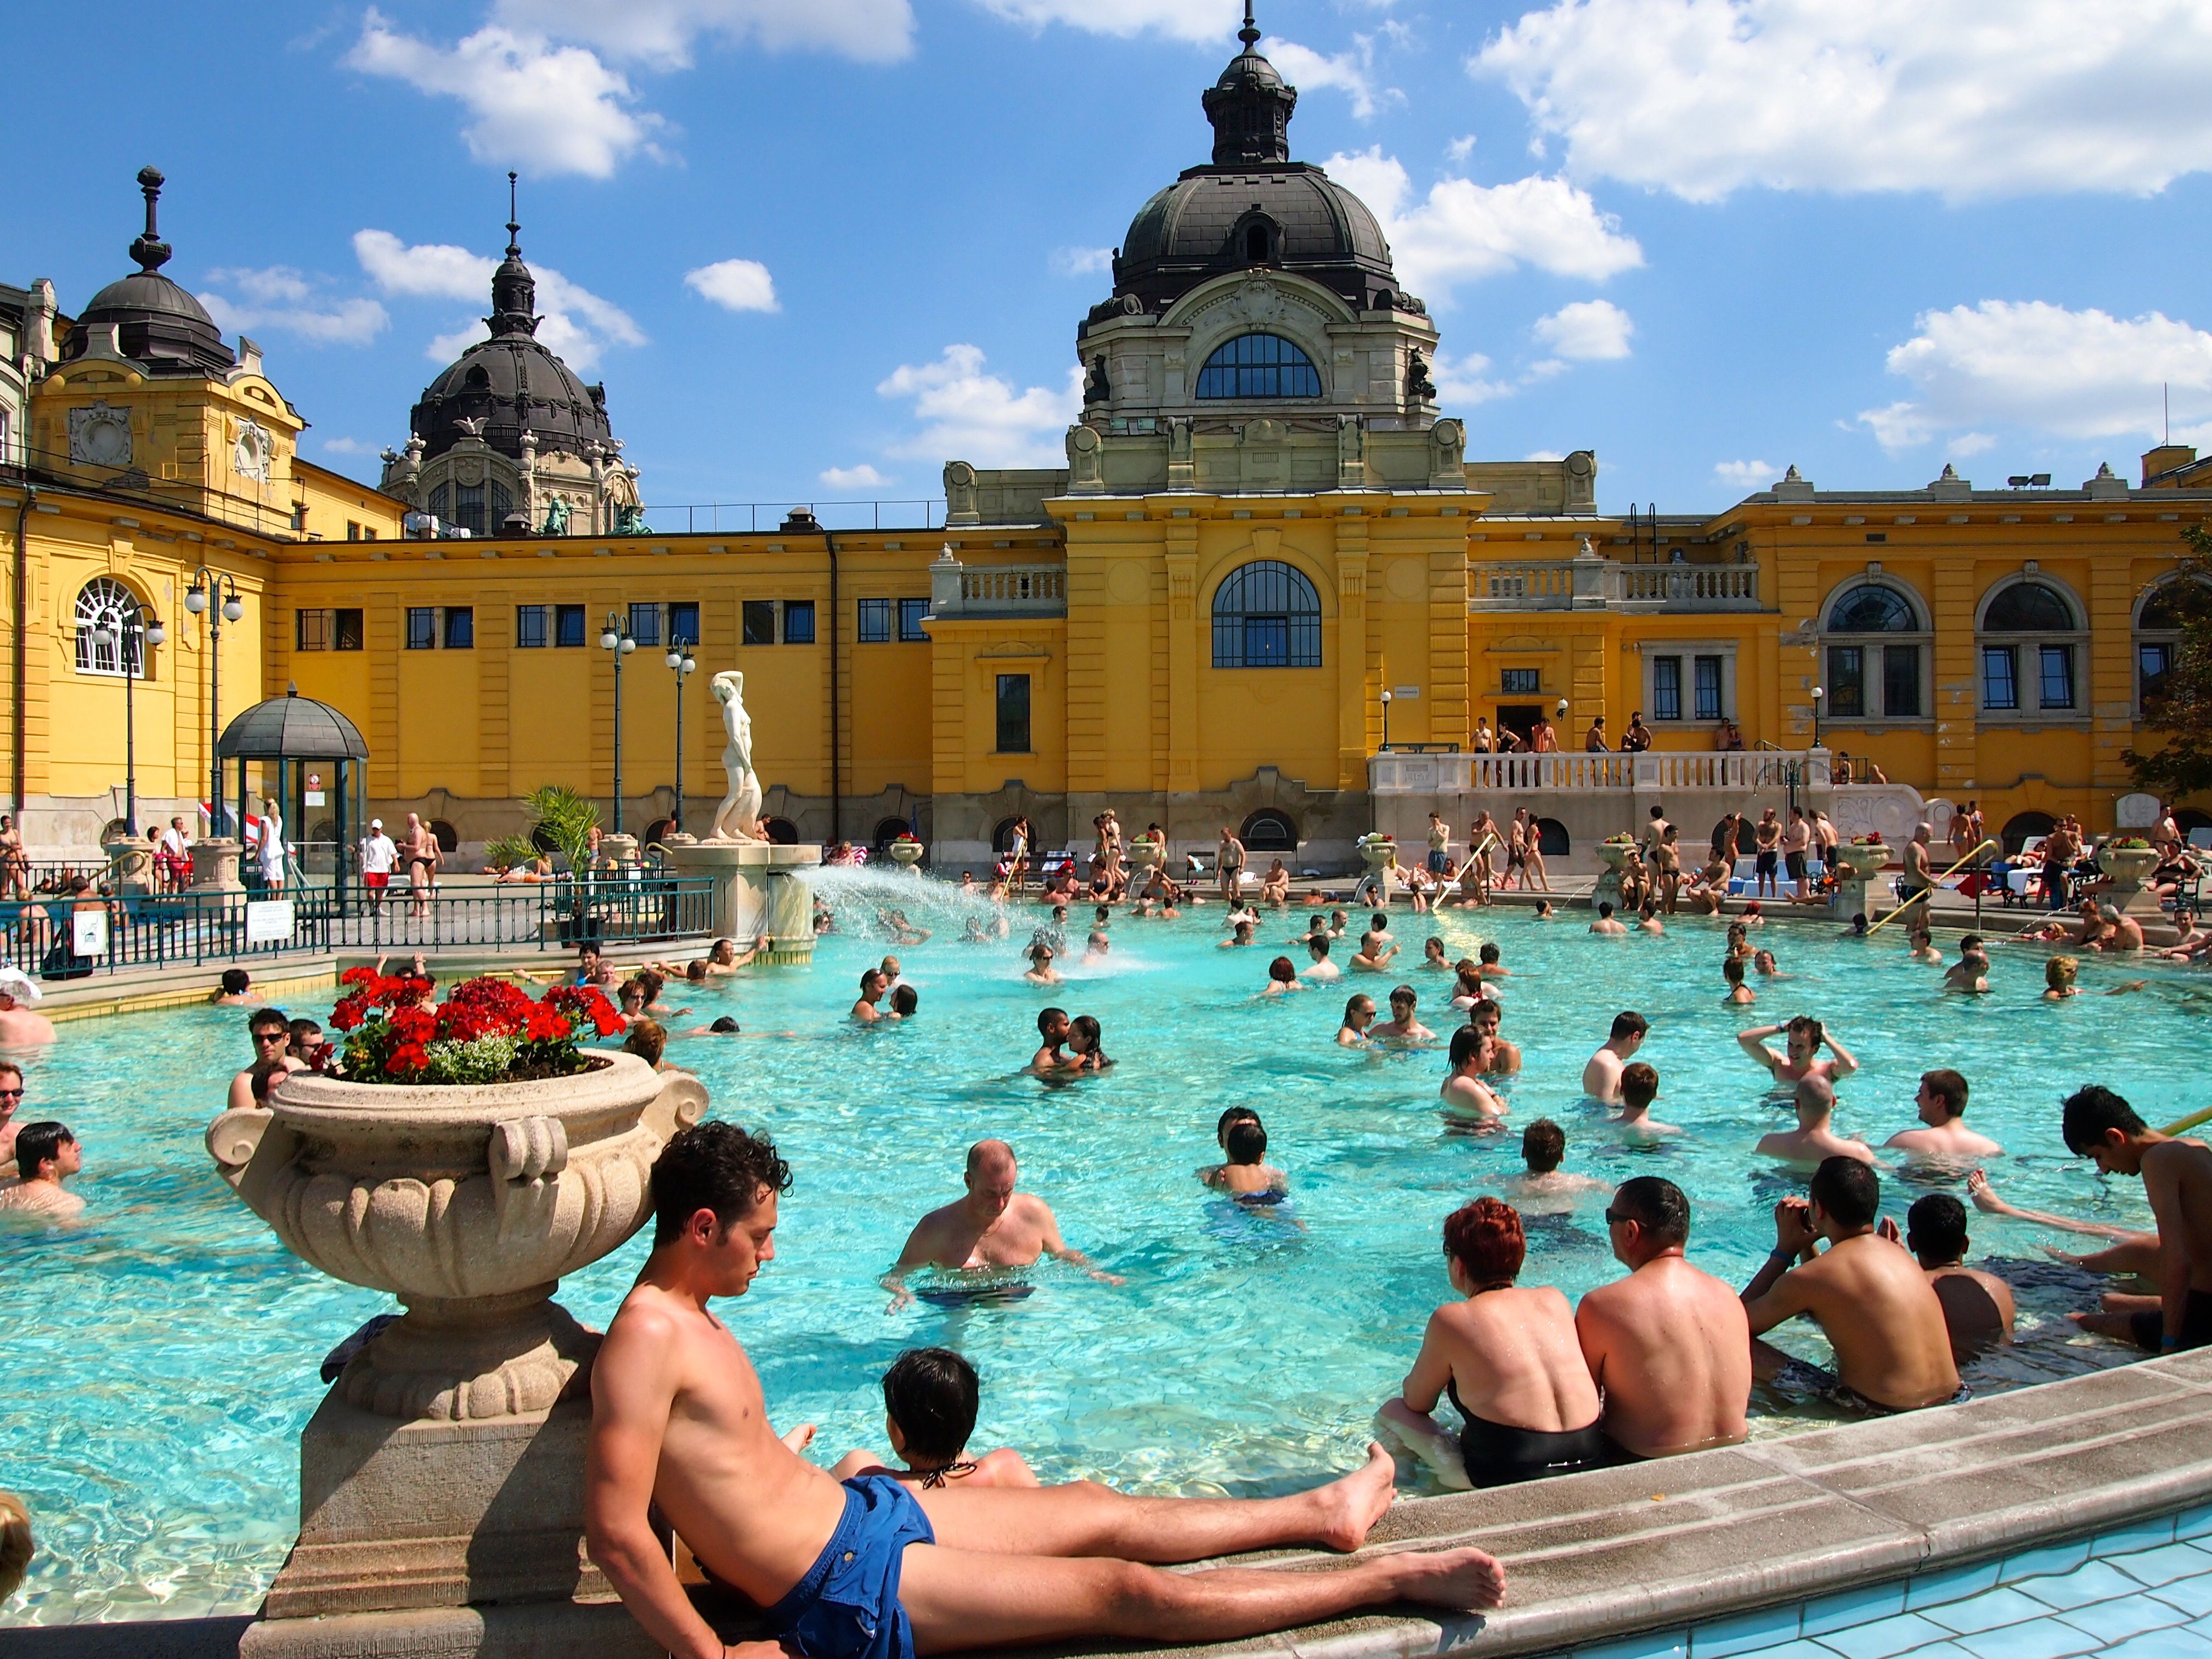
991,1225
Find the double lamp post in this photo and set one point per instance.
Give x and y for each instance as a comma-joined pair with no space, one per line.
617,641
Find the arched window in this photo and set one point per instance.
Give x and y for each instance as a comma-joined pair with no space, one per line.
1269,831
1552,838
447,837
889,830
2159,618
1875,639
2022,828
1259,366
781,832
108,629
1266,615
2031,646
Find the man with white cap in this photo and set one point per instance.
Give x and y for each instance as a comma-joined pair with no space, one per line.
19,1026
378,854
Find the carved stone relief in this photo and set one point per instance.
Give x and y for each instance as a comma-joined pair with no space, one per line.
253,452
99,435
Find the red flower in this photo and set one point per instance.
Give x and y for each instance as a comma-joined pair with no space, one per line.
358,976
349,1012
408,1059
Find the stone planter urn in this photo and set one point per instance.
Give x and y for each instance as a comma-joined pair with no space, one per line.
1378,852
1145,854
1860,863
1614,854
445,1467
2125,867
906,852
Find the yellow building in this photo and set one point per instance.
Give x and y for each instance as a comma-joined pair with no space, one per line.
1267,554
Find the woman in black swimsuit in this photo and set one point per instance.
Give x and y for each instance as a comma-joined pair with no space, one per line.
1510,1360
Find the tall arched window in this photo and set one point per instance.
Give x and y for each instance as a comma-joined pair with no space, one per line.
104,607
2031,644
1259,366
1266,615
1876,640
2159,618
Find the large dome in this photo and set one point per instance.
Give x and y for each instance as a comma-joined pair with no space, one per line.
510,383
156,321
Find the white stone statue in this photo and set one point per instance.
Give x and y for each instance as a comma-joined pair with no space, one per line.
738,818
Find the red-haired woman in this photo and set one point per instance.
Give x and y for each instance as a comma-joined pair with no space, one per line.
1511,1361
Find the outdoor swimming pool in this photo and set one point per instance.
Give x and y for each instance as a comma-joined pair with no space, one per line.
162,1357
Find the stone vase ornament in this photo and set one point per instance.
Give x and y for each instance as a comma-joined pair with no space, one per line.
2125,861
1857,864
1378,851
906,852
1145,854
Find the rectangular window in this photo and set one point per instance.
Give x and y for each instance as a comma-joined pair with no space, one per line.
1523,682
645,624
1708,706
2153,664
460,628
1900,682
684,624
798,622
529,621
910,614
2058,676
345,631
369,532
1847,681
312,631
469,508
353,530
1013,714
760,622
2000,680
569,626
875,622
1666,688
422,628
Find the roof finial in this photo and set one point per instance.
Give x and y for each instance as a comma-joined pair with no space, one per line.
1250,34
150,250
514,228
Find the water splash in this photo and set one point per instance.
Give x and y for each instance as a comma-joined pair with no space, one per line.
861,898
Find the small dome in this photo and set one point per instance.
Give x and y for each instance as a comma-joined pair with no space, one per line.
156,322
292,727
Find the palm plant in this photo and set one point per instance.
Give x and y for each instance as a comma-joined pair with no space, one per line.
558,814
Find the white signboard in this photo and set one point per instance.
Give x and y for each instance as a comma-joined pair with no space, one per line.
89,932
269,921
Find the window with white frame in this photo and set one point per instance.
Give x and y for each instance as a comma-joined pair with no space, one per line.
2032,649
1875,640
108,628
1688,681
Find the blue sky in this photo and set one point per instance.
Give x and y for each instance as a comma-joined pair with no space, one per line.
815,247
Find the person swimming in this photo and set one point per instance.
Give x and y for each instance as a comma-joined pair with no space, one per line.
1282,978
1358,1017
1082,1042
1465,1097
930,1400
1246,1177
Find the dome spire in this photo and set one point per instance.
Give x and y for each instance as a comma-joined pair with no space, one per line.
1250,34
514,228
1250,106
150,250
514,289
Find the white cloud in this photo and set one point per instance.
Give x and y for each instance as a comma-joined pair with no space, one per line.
552,108
735,285
346,446
1080,261
1459,149
1970,443
1747,475
1545,455
1351,72
1704,97
1202,21
280,297
862,477
661,33
1461,380
1464,231
969,414
1588,330
574,323
2074,374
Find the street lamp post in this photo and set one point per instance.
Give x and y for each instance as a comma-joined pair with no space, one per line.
617,639
1386,719
215,595
681,664
1820,695
130,631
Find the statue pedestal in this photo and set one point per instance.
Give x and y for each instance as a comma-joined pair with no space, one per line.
759,890
215,866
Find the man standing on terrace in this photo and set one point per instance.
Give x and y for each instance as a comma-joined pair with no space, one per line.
872,1569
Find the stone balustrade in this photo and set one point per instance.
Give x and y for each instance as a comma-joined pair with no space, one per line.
1592,583
1735,772
996,590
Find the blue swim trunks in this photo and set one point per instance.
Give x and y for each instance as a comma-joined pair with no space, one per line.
847,1607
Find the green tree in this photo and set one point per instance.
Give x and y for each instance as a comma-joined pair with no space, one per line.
2182,710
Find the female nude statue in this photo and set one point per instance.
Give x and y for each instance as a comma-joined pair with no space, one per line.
738,818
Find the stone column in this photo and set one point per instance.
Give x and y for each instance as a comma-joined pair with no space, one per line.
215,866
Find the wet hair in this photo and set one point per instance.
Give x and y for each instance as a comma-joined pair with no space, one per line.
1234,1115
866,974
1405,994
263,1076
1085,1027
648,1040
36,1142
1465,1043
654,983
1732,970
1247,1142
1045,1016
1970,942
1639,1084
1318,944
2059,971
714,1166
905,1000
1382,922
1948,1087
262,1019
724,1026
1808,1026
1432,944
1351,1005
1658,1207
1937,1225
695,972
1283,971
1627,1024
2090,1113
1604,908
235,982
302,1029
931,1394
1543,1144
1489,954
10,1068
1847,1190
1486,1008
1485,1238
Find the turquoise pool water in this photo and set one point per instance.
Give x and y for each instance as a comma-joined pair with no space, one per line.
160,1358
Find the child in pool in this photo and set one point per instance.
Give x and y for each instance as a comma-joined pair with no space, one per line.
1247,1177
930,1398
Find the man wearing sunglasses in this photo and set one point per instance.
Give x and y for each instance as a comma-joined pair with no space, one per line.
271,1033
11,1102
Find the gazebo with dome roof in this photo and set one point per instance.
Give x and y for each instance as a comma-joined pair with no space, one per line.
297,734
